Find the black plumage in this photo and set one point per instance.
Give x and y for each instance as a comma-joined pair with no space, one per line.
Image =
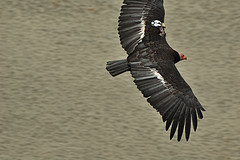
151,61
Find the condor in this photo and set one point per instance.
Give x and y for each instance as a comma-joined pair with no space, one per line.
151,62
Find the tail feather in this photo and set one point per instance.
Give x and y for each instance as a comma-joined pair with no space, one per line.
117,67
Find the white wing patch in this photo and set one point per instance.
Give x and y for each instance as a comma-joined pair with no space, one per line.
142,32
159,76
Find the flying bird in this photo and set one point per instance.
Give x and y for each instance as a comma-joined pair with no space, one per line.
151,62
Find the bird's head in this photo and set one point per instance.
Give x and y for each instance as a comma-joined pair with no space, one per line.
182,57
178,57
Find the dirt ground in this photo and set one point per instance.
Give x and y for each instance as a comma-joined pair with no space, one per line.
58,102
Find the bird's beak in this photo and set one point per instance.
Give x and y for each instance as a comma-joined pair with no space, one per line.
184,58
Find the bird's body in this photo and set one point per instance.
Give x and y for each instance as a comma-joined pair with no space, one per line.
151,61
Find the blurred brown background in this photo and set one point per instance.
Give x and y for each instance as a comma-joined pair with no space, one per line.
58,102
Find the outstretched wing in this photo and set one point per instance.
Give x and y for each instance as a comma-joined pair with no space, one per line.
135,21
168,93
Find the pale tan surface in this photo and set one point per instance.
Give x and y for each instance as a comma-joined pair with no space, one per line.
58,102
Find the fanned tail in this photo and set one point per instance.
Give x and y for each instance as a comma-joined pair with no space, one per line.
117,67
